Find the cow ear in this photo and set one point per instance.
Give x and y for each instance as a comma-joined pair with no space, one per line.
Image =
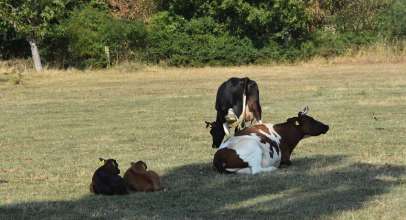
102,160
293,120
209,124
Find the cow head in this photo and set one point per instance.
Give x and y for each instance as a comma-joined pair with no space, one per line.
139,166
298,128
110,166
308,125
217,133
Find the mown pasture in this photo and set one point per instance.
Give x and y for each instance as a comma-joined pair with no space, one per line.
55,125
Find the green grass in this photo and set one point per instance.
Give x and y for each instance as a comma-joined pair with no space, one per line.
55,125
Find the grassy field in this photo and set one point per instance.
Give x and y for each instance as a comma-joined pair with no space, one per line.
55,125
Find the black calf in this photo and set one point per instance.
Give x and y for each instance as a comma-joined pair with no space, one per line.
106,180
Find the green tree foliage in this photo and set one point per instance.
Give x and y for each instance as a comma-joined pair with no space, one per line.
393,21
11,43
91,29
31,19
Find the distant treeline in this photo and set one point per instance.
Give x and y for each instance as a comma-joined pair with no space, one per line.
98,33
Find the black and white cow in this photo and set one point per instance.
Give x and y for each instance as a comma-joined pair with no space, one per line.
264,147
234,97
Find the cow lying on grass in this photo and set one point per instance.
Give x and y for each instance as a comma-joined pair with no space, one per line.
106,180
264,147
237,102
137,178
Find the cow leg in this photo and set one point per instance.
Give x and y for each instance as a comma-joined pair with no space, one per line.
227,160
218,130
246,170
226,129
255,109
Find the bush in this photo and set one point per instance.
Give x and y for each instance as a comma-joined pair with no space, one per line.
285,21
200,41
90,30
392,23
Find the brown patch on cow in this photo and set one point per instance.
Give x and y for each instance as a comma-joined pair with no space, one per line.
254,110
290,137
137,178
253,130
256,130
227,158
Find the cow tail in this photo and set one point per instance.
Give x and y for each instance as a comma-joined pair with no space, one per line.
246,79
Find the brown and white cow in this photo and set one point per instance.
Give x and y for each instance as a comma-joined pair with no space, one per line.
264,147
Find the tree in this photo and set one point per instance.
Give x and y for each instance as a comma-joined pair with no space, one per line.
32,19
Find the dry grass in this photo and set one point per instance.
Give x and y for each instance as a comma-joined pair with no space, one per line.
377,53
55,125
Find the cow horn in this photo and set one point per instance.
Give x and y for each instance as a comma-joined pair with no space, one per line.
101,159
304,111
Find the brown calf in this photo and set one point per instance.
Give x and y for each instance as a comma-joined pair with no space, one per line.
137,178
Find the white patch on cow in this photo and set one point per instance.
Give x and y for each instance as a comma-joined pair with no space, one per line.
266,156
246,170
226,129
273,134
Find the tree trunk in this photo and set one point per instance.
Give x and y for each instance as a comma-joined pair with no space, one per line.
35,55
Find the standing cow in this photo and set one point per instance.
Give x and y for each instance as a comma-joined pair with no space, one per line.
237,102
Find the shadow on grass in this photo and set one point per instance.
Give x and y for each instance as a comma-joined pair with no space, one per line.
312,188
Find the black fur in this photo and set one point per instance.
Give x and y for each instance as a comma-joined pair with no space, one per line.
107,181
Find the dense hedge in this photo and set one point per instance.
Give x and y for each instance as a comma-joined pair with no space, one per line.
211,32
199,41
